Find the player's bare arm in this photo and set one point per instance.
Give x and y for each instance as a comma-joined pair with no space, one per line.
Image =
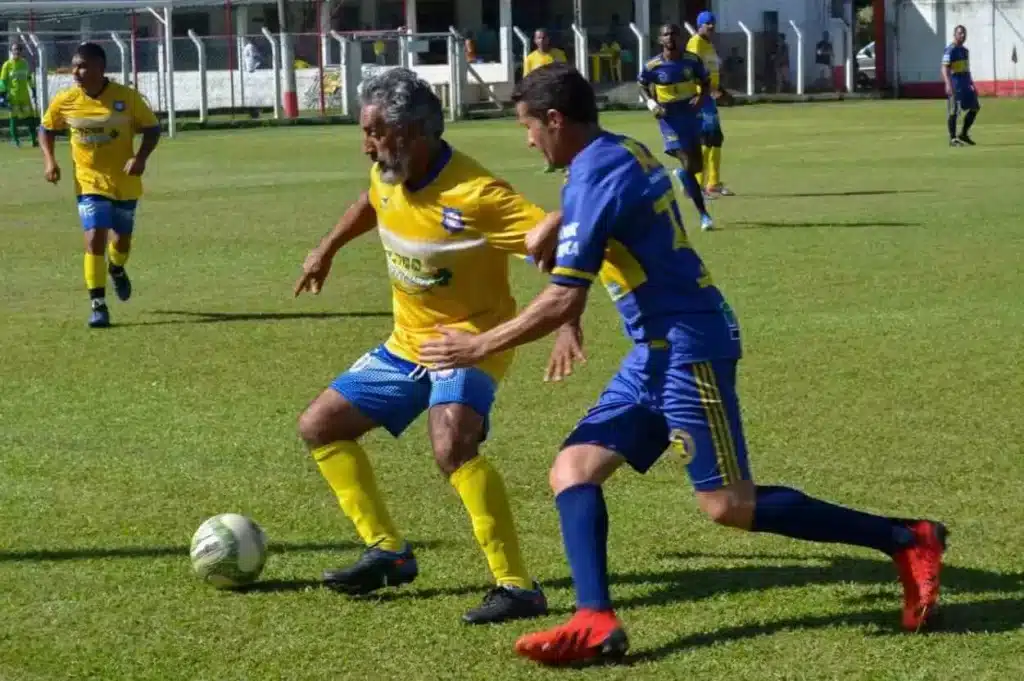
947,79
136,165
51,170
555,306
359,219
542,241
650,102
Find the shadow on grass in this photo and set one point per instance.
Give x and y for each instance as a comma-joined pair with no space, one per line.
994,615
46,555
852,192
193,317
768,224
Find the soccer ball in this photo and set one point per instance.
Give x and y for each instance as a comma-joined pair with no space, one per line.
228,551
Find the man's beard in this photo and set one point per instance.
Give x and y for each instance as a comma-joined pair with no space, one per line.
395,170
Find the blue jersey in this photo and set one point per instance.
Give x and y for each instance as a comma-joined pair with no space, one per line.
958,59
619,209
674,82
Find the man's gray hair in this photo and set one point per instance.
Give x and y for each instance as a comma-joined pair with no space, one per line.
405,99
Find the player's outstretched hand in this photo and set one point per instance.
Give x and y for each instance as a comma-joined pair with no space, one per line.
314,271
52,173
452,350
135,166
567,352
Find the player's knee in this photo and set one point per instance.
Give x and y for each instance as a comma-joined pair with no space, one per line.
455,434
582,465
730,506
330,418
96,241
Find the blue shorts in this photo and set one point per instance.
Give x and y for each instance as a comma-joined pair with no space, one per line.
394,392
99,212
654,403
680,133
962,99
709,120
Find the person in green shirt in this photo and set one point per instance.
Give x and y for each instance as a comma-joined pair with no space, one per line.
17,86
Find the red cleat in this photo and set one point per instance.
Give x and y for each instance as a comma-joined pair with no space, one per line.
589,635
919,566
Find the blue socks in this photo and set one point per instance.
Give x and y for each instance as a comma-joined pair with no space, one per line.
584,519
791,513
693,190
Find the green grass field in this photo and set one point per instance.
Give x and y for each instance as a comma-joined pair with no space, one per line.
878,277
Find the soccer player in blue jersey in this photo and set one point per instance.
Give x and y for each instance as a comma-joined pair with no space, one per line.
961,94
676,389
672,84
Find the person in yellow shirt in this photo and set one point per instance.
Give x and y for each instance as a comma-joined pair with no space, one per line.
711,125
102,118
447,226
18,88
543,55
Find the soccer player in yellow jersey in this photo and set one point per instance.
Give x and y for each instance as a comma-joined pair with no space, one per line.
447,226
102,119
543,55
711,125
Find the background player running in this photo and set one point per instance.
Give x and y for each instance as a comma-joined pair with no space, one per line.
961,94
671,84
18,89
447,226
675,389
711,124
102,118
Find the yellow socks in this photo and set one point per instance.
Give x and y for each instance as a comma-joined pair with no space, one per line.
483,494
347,470
705,174
116,257
95,271
715,167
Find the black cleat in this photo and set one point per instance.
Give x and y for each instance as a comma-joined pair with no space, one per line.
955,142
122,284
375,569
965,139
504,603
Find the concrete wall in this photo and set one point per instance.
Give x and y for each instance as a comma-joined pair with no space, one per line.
922,29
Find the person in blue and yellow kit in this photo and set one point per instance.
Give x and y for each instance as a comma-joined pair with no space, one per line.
961,94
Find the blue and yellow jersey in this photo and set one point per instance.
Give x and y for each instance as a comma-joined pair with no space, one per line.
958,59
619,209
447,244
16,79
703,48
102,132
674,82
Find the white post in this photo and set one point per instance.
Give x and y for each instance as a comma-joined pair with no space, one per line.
411,57
689,28
275,65
505,39
524,40
42,84
123,50
172,116
750,57
582,58
203,94
799,57
456,62
641,50
323,29
642,15
161,76
848,68
26,42
348,73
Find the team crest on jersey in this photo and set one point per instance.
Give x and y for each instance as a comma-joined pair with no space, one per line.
681,443
119,105
662,77
451,220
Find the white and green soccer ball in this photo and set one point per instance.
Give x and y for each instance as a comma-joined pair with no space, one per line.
228,551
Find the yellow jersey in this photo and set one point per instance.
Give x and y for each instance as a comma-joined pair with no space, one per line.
537,59
447,243
102,132
703,48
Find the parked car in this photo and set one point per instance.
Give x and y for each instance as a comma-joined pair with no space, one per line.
866,65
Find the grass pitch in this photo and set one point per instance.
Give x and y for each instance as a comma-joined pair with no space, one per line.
878,278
